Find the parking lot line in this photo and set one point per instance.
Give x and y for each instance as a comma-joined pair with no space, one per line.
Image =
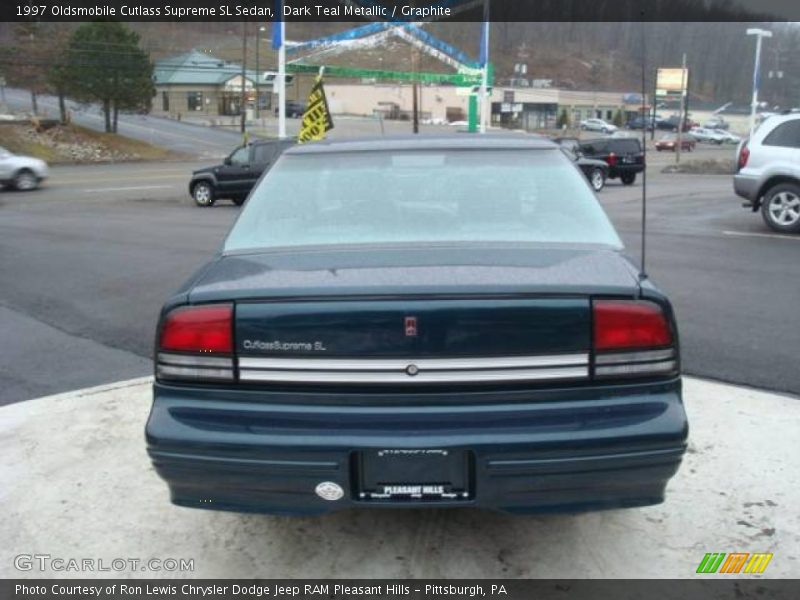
766,235
125,189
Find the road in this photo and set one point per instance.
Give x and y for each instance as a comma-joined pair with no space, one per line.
86,262
183,138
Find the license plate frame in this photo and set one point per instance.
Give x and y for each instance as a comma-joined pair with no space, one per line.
414,475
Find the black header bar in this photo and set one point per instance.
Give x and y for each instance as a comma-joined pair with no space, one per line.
401,10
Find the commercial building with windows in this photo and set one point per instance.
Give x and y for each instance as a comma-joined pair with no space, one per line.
513,107
199,83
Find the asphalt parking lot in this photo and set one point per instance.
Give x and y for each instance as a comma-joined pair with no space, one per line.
86,262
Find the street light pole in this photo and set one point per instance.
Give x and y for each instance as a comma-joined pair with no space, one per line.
243,98
760,34
259,29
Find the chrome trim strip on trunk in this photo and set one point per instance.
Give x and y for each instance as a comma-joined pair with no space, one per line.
421,377
401,364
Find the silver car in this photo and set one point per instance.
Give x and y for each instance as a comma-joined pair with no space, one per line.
768,173
21,172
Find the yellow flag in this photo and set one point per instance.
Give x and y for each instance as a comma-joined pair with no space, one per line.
317,119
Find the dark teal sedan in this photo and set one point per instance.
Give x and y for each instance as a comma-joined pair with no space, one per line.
418,322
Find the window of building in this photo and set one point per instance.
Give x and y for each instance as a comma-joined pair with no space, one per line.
609,115
194,100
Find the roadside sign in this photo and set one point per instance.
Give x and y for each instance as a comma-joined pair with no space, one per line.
671,80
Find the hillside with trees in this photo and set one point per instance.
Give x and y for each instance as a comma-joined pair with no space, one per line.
586,56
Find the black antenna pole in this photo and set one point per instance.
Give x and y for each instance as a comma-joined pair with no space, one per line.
643,272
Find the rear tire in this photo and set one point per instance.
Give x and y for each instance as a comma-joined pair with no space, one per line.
781,208
203,194
25,180
628,178
597,179
238,201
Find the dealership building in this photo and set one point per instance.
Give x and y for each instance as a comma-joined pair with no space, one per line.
199,83
517,107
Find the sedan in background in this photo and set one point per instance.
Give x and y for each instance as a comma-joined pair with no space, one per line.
701,134
418,322
23,173
597,125
728,137
669,142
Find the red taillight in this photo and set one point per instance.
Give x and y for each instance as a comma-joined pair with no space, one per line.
612,159
744,154
205,329
627,324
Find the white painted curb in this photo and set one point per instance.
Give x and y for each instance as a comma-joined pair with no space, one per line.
75,482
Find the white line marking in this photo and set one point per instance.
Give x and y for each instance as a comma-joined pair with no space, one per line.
766,235
125,189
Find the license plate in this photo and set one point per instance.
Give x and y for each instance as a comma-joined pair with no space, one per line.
414,474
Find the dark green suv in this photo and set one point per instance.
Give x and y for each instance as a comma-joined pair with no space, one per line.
237,174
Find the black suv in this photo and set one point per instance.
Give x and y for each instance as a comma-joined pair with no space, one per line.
238,173
294,109
623,156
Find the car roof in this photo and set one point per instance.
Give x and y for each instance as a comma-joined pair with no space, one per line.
426,142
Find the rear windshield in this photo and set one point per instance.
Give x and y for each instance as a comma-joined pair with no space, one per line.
625,146
413,197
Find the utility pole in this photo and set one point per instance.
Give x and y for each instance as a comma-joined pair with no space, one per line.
760,34
680,110
243,99
484,96
259,29
415,92
281,76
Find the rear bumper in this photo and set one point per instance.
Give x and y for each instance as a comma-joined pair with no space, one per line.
564,450
618,170
746,187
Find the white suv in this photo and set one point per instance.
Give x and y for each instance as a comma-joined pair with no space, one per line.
768,173
21,172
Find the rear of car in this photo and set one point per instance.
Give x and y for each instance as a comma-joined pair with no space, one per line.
418,324
624,156
768,172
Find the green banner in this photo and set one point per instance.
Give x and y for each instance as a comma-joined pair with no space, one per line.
470,77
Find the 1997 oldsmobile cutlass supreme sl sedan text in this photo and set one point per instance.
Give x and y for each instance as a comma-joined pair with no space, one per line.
418,322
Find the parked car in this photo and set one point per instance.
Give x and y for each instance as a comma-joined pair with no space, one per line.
20,172
701,134
768,172
596,171
238,173
728,137
671,123
597,125
669,141
623,156
641,123
429,322
716,122
294,109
